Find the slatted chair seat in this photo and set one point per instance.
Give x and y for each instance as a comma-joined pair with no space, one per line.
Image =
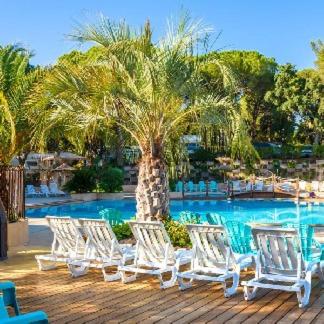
213,258
280,260
102,250
68,243
154,254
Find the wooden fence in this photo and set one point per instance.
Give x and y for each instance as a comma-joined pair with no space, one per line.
12,192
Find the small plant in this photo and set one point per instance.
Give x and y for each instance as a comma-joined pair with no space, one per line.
122,231
110,179
83,181
177,232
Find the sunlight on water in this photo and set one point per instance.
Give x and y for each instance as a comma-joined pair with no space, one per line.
243,210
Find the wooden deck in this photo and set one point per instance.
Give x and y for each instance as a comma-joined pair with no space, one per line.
89,299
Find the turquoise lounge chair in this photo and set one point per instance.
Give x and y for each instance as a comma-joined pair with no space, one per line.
111,216
8,291
179,186
213,187
188,217
202,186
240,236
214,219
190,187
311,249
8,298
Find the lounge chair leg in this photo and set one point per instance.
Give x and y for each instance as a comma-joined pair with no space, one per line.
77,271
125,278
112,277
228,292
304,300
184,284
249,293
45,265
168,283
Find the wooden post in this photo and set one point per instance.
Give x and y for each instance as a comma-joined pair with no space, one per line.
207,187
273,186
297,189
3,232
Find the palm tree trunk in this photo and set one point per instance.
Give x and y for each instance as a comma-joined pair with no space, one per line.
152,193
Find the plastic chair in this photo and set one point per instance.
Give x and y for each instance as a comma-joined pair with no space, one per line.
179,186
240,236
213,187
111,216
214,219
8,298
188,217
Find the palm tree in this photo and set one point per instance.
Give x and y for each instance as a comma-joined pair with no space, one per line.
150,90
17,78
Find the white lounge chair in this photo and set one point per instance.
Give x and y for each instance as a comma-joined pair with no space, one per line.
315,186
54,190
279,260
102,250
45,191
68,243
213,259
154,254
237,186
31,191
259,185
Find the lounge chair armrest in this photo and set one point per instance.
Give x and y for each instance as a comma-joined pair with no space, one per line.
6,285
245,257
33,317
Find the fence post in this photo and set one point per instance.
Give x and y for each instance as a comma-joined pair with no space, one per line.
3,232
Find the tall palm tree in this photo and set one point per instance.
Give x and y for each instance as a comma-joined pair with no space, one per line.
17,78
149,90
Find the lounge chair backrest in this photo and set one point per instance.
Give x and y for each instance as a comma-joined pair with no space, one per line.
302,185
278,248
213,185
239,236
214,219
67,234
190,186
101,238
210,245
44,189
30,189
111,216
315,185
153,242
259,185
179,186
53,187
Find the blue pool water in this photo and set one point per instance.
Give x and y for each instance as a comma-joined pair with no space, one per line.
243,210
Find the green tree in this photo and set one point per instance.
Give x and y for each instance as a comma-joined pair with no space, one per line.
17,80
318,48
148,89
297,97
254,76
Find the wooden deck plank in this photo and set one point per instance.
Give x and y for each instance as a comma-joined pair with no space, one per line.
89,299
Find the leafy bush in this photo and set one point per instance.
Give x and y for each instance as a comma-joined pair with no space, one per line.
178,233
110,179
86,179
83,181
122,231
318,151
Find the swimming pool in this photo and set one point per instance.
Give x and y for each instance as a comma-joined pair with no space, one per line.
243,210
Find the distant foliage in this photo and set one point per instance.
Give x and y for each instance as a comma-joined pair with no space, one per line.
83,181
88,179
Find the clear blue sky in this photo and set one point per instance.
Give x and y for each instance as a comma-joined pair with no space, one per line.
281,29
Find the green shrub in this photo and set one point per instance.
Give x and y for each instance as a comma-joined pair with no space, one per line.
122,231
177,232
110,179
88,179
318,151
83,180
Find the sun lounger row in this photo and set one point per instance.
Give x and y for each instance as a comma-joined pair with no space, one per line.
86,243
44,191
211,187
